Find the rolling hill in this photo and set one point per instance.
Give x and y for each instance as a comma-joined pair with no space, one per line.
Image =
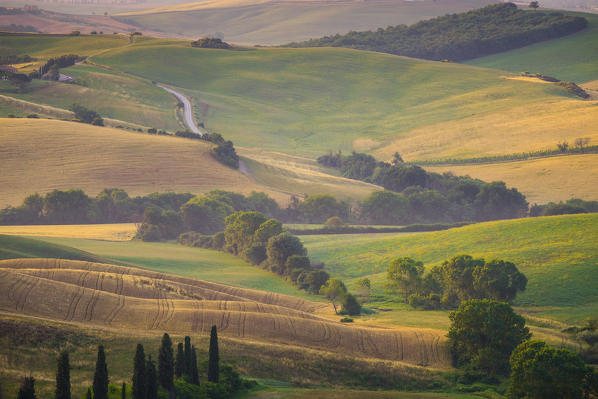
283,21
120,298
42,155
557,254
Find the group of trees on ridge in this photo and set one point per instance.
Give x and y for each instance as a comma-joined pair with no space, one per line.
262,242
459,37
458,279
175,377
417,196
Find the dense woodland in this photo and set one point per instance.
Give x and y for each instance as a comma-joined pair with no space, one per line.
462,36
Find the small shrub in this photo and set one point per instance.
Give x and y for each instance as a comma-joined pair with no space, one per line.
33,116
346,320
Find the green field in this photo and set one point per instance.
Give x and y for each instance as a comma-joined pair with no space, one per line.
111,94
573,57
192,262
558,255
18,247
308,101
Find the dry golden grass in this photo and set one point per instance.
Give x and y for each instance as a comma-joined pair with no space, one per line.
107,232
129,299
541,180
537,126
42,155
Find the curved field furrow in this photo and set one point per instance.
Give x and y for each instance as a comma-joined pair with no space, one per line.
132,300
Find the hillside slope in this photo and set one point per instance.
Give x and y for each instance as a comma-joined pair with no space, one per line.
558,254
42,155
133,299
282,21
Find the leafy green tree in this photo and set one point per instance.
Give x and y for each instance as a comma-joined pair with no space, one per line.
179,363
297,262
166,364
67,207
334,290
351,305
87,116
139,387
114,205
498,280
63,377
541,372
384,207
255,254
240,230
358,166
457,278
194,370
261,202
364,288
205,215
266,230
282,246
399,177
405,274
151,384
27,389
496,201
100,377
320,207
214,357
313,280
483,333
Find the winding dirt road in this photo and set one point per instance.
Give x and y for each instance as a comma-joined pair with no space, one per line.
187,110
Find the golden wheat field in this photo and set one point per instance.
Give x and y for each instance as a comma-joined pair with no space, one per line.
541,180
129,299
40,155
106,232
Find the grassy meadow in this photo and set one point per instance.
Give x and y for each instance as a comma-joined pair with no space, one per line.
573,57
558,254
107,232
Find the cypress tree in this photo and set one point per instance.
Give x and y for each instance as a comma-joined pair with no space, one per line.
166,364
139,378
27,389
88,394
123,392
152,383
63,377
179,363
188,357
213,370
194,372
100,377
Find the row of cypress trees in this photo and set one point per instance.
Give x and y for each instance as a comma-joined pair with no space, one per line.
145,376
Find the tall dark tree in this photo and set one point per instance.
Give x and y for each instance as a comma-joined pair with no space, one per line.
139,374
188,357
166,363
100,377
63,377
123,391
179,362
151,385
194,372
27,389
214,357
88,394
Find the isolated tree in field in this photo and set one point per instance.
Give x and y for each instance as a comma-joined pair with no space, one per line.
63,377
27,389
188,357
214,357
396,159
151,385
541,372
123,391
483,333
351,305
179,362
534,4
334,290
166,363
405,274
100,377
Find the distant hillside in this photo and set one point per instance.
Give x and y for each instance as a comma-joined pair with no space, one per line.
459,37
281,21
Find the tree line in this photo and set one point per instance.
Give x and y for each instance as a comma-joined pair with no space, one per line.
462,36
224,151
417,196
174,377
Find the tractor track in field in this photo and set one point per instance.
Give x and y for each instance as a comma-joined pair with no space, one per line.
119,290
77,295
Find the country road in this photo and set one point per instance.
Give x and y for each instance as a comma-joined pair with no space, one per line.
187,110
